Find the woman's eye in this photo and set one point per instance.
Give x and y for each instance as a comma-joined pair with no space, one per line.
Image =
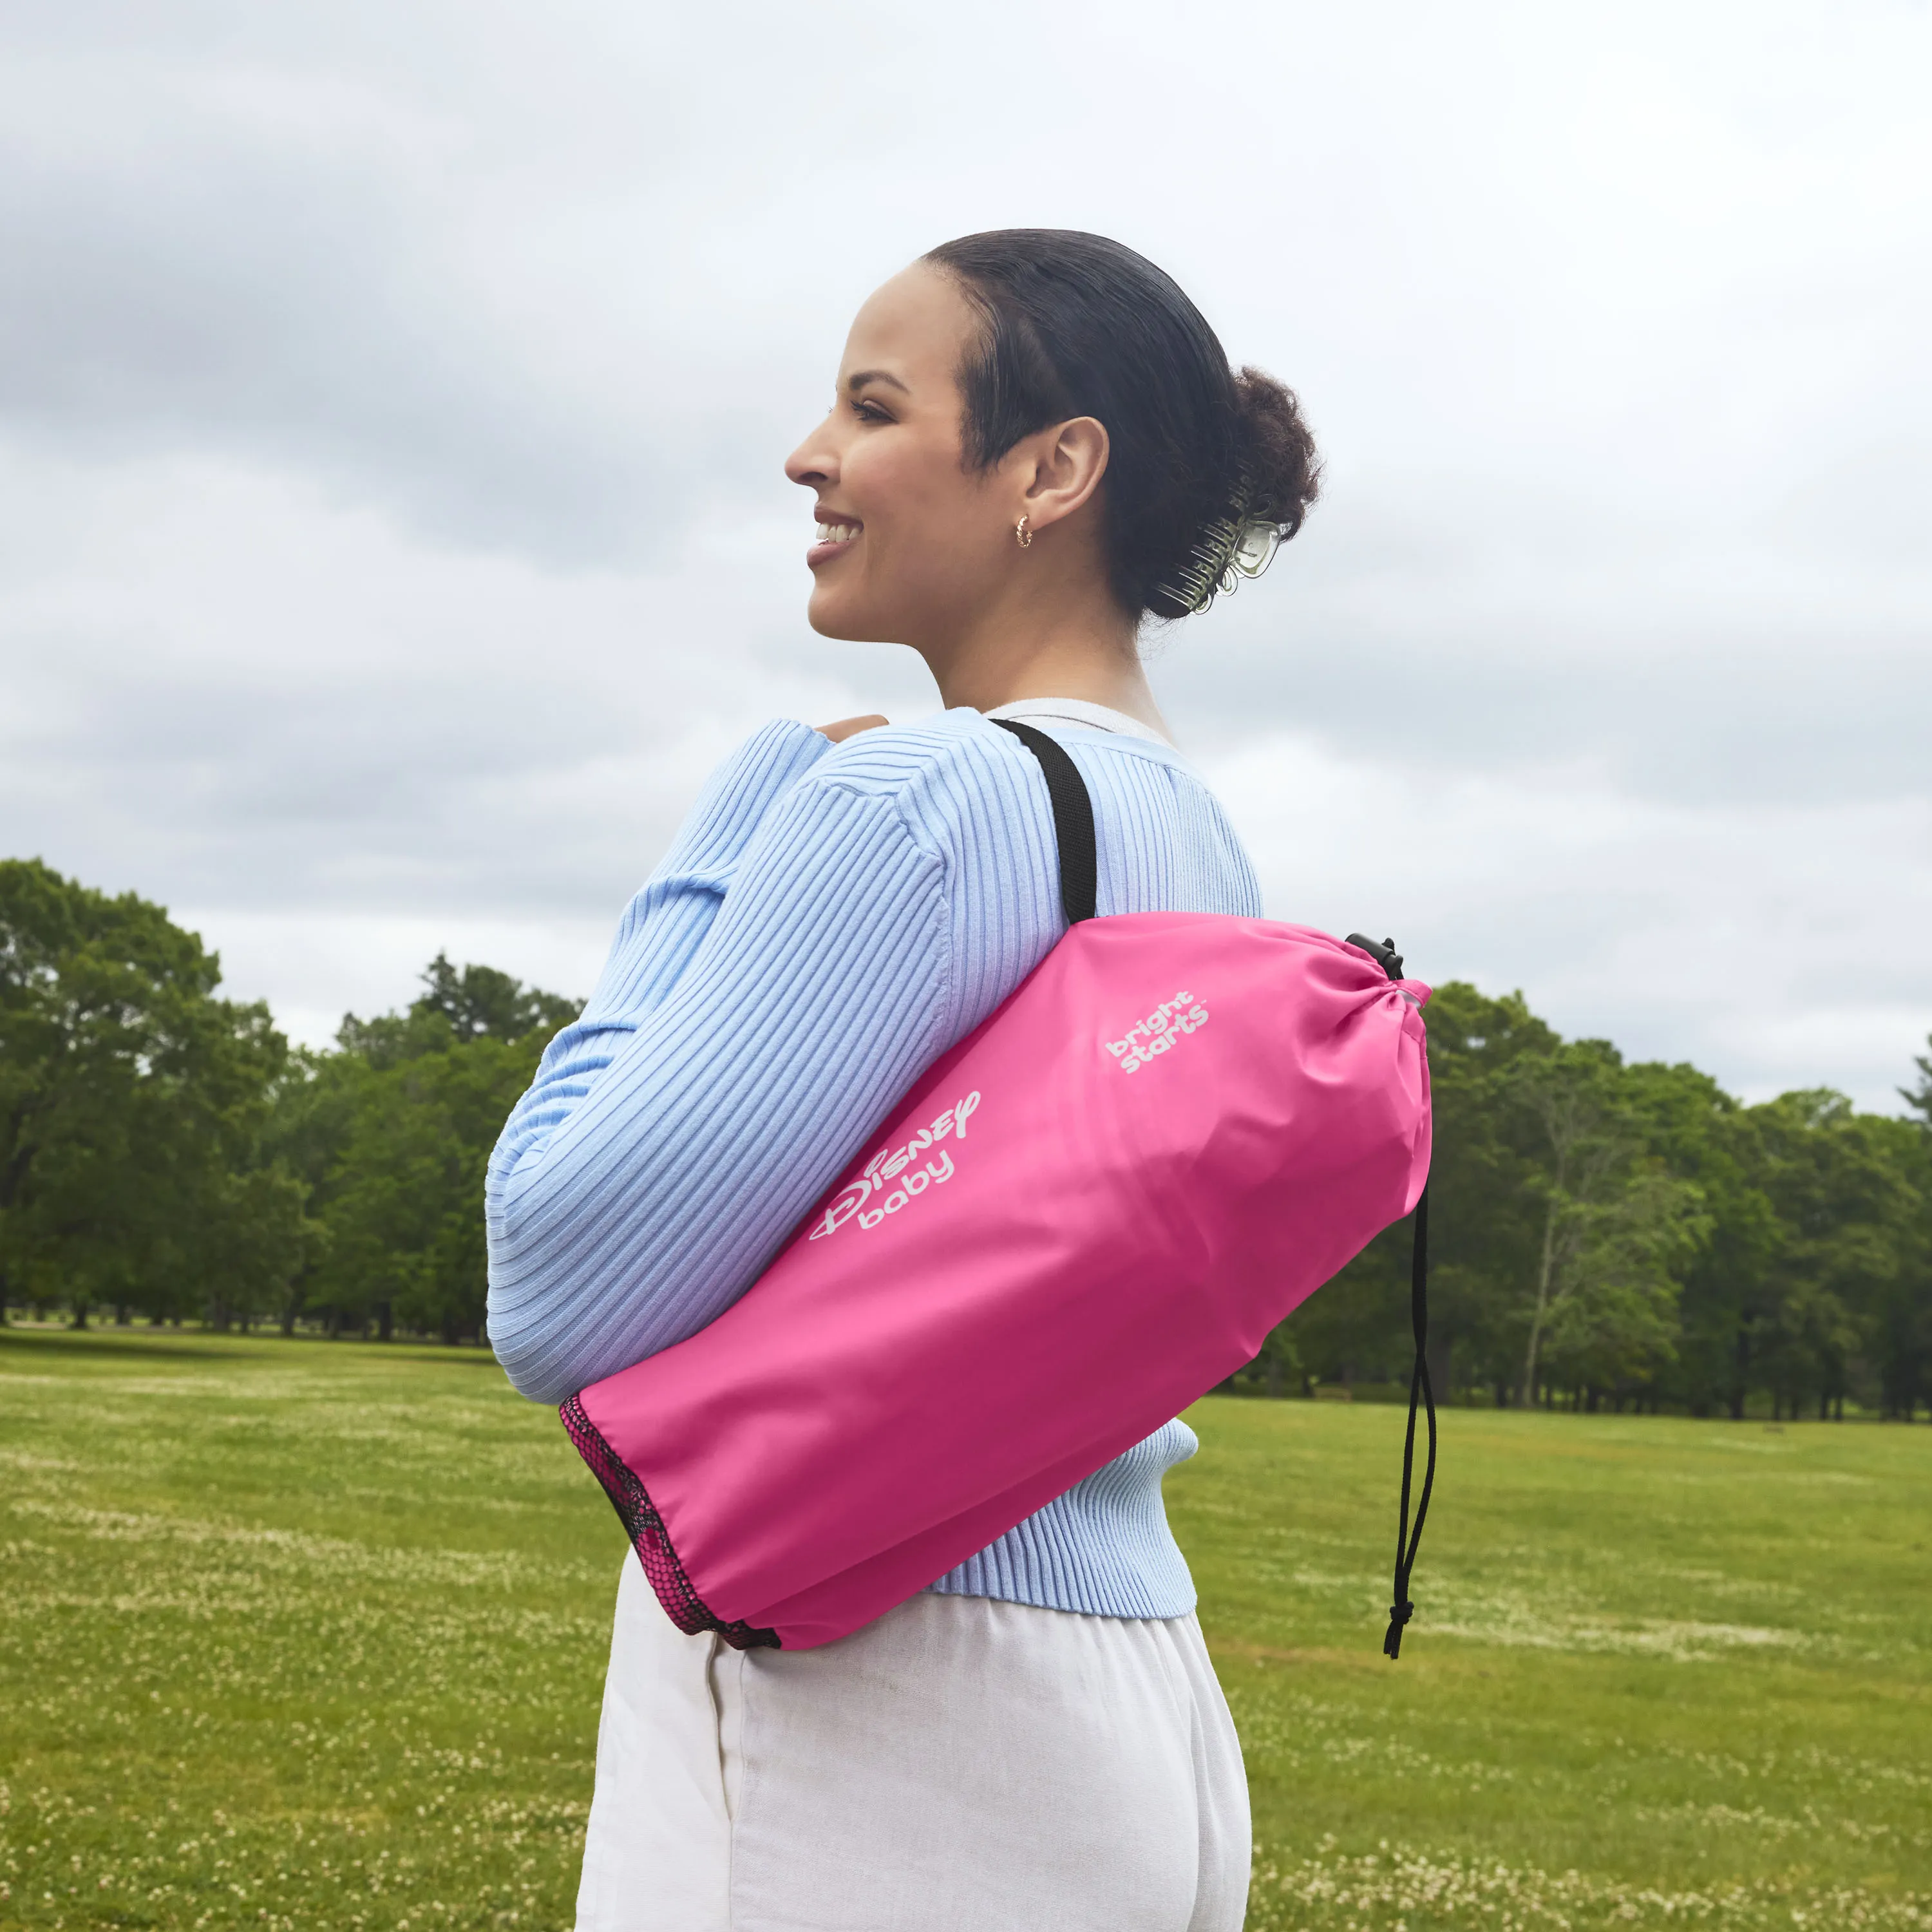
870,412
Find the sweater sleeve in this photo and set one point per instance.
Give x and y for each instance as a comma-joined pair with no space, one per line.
663,925
734,1057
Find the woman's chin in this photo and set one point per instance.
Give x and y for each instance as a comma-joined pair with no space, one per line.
832,616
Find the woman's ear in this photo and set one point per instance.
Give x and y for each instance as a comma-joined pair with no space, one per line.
1065,464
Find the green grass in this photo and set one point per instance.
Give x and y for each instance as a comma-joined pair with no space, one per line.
1662,1671
297,1635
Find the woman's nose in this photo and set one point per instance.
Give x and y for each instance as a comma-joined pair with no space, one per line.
812,464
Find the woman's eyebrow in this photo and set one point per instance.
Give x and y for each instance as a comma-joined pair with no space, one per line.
855,383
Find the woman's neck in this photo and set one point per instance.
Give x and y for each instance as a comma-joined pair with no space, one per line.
1036,650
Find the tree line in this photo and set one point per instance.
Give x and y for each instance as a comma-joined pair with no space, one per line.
166,1154
1603,1233
1610,1234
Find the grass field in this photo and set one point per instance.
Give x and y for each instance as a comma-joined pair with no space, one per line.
297,1635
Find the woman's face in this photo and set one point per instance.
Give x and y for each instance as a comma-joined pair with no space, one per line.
911,542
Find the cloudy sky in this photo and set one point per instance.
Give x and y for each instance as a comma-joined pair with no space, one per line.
392,400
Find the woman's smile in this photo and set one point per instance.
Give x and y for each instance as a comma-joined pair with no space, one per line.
836,536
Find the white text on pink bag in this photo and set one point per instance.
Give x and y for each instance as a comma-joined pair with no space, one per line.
1160,1033
890,1173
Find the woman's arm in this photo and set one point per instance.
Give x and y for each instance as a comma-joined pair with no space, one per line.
722,1075
664,925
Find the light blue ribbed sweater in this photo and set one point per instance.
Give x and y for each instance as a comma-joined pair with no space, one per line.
829,920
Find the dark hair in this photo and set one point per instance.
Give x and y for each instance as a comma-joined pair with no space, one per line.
1076,324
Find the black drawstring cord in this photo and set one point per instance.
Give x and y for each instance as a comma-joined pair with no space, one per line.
1406,1541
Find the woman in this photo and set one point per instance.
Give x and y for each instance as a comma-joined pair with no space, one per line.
1036,443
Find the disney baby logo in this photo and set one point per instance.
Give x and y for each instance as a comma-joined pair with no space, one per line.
1160,1032
891,1164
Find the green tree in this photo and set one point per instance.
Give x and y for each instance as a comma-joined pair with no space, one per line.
1702,1135
1480,1229
1848,1190
1483,1223
405,1209
1919,1098
1902,1329
131,1104
392,1133
479,1002
1602,1293
1635,1232
259,1234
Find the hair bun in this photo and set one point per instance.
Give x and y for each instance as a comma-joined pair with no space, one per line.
1276,450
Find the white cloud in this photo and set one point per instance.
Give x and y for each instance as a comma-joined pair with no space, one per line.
391,406
1756,939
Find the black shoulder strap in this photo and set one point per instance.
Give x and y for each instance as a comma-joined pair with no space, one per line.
1073,820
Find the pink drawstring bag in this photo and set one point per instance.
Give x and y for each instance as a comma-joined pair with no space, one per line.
1082,1218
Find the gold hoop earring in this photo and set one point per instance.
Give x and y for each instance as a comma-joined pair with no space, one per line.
1021,535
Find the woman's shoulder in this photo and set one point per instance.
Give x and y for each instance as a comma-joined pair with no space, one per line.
970,796
960,764
963,750
787,765
893,757
964,788
933,769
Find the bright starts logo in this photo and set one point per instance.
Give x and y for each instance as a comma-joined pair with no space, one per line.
1161,1032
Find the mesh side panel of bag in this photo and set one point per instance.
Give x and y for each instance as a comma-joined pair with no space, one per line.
683,1604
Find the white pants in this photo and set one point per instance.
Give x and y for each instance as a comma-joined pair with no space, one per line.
960,1766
